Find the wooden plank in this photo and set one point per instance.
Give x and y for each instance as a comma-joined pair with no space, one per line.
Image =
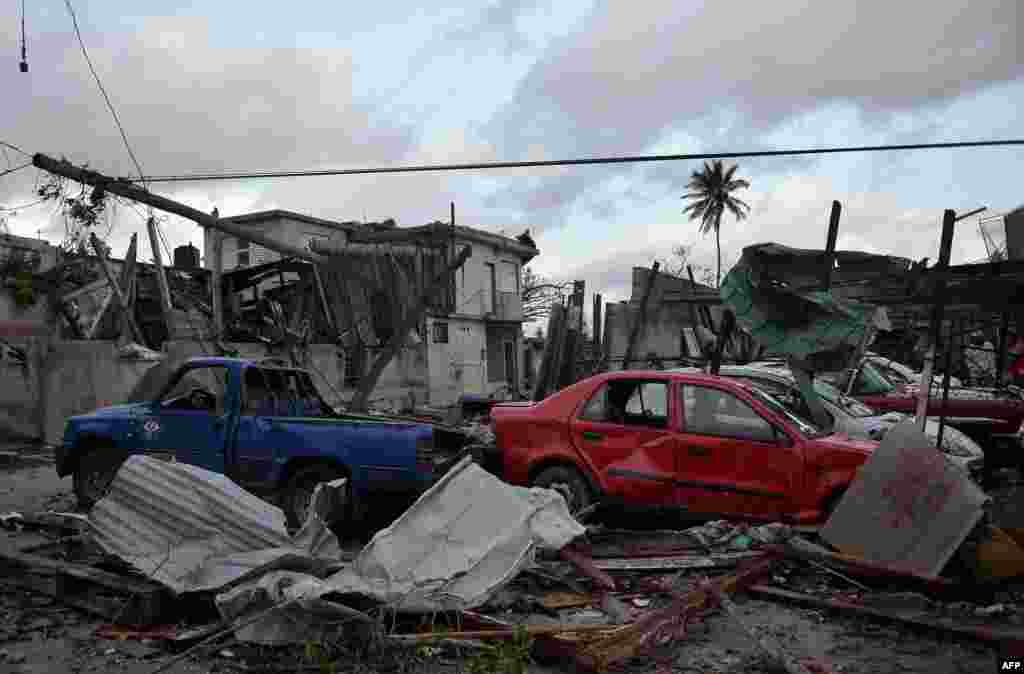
118,294
166,307
84,290
80,571
641,316
128,278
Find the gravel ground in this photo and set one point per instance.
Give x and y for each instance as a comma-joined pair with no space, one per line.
38,634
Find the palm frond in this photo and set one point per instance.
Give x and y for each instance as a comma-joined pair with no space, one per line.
728,174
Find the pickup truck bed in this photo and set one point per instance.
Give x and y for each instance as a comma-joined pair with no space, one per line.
268,430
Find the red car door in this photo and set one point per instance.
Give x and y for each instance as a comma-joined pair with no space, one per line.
624,431
730,459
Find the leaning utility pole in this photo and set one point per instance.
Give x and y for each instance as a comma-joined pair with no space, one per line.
129,190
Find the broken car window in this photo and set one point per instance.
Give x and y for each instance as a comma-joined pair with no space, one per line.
711,411
198,389
629,402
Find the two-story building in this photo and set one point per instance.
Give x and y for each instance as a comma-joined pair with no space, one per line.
473,348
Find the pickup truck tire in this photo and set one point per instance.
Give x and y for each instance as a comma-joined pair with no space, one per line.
569,483
298,493
94,472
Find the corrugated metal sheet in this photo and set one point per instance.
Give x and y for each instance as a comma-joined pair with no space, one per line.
464,538
192,529
908,507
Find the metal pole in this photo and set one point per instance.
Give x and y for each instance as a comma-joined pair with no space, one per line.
830,243
945,250
945,387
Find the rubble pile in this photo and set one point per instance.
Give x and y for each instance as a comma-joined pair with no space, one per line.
497,576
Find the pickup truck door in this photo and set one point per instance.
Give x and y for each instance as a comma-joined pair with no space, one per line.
729,459
194,429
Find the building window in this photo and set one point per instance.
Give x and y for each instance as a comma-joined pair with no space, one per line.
242,253
440,332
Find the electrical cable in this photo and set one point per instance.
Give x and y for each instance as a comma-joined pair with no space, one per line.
14,147
23,206
16,168
577,162
99,83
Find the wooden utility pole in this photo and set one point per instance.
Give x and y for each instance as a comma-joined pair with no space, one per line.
216,275
830,244
132,191
641,316
166,307
945,250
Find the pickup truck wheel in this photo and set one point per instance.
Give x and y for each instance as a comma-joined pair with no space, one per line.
298,495
569,483
94,473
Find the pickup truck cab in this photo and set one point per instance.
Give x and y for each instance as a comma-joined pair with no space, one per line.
265,427
709,445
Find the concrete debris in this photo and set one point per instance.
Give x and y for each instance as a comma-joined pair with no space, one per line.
191,529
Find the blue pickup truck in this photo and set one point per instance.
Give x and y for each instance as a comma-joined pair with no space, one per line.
267,428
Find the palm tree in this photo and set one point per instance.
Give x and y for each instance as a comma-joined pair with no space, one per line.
711,195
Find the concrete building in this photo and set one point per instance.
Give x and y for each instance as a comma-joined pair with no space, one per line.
474,349
668,329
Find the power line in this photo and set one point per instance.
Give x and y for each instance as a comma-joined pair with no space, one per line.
16,168
23,206
99,83
14,147
635,159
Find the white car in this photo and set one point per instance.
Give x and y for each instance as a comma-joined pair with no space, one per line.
853,417
900,373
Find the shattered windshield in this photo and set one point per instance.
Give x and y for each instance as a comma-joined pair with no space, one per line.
803,422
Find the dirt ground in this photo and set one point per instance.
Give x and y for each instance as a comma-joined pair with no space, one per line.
38,634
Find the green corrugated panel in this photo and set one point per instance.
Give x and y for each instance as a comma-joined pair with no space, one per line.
797,324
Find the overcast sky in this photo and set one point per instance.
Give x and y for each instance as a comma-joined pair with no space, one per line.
264,86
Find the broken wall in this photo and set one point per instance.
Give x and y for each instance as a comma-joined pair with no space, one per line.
79,376
667,315
20,401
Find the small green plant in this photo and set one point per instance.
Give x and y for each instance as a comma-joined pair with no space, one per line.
323,655
506,657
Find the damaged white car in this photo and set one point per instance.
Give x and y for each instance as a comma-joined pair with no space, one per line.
853,417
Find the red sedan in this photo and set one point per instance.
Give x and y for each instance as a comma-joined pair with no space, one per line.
710,445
